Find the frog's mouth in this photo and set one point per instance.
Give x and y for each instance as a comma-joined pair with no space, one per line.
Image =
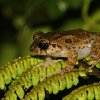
53,50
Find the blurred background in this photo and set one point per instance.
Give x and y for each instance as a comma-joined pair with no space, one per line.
20,19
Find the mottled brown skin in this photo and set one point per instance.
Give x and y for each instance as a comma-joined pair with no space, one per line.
74,44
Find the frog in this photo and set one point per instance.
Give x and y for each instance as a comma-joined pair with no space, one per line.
73,44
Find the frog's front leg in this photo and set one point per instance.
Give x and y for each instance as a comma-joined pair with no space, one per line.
72,58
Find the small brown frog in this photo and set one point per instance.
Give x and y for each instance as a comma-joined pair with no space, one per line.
73,44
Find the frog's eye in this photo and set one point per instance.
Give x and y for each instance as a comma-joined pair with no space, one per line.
37,35
43,46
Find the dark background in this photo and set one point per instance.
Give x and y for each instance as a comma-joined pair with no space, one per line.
20,19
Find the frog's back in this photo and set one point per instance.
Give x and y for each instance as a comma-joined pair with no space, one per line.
71,37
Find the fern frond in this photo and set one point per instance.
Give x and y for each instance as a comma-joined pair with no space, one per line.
86,92
15,68
33,76
54,84
22,74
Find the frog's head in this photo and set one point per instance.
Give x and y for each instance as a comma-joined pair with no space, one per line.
42,45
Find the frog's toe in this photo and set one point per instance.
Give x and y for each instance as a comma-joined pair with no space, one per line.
69,68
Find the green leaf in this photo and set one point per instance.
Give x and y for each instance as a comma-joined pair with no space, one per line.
2,83
55,85
41,93
69,81
20,91
35,77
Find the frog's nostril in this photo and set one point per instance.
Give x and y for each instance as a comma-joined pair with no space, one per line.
43,46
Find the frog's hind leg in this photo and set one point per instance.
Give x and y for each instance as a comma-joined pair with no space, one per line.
72,58
95,54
